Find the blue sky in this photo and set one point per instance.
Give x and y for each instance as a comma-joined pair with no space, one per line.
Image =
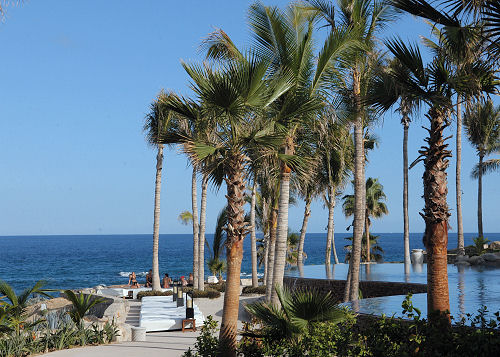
76,79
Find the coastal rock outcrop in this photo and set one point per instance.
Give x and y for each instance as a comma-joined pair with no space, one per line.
495,245
489,259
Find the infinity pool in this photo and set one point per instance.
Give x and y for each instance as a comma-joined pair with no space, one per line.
470,287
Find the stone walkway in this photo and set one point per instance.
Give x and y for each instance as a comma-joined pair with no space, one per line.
165,344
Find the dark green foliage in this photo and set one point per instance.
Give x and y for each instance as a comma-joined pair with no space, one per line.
207,293
251,290
81,304
479,243
207,343
220,286
142,294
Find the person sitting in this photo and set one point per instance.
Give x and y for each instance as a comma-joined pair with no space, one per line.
166,281
132,280
149,279
190,280
183,281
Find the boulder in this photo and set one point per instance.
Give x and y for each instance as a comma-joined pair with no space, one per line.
462,263
476,260
461,258
495,245
491,257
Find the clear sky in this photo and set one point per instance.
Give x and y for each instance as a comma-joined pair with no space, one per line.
76,79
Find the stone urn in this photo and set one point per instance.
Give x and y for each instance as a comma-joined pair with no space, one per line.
417,256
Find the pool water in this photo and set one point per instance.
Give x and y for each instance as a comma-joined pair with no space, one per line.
471,287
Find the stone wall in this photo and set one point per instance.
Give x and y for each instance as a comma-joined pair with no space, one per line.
368,289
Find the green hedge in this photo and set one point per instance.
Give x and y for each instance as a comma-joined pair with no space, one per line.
220,287
251,290
207,293
141,294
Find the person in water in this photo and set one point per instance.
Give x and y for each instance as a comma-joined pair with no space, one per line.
166,281
190,280
132,280
149,279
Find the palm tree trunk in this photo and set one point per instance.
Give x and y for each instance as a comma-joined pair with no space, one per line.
255,279
436,216
460,227
156,220
201,243
266,229
196,243
330,240
266,255
406,220
367,234
236,231
281,239
271,250
480,198
307,213
359,193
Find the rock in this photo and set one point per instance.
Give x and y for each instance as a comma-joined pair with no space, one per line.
491,257
495,245
476,260
461,258
462,263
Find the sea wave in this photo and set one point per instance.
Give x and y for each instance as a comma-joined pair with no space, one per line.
243,274
125,274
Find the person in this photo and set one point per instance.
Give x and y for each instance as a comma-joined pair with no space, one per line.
166,281
190,281
183,281
149,279
132,280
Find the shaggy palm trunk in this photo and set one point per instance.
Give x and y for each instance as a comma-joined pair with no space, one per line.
460,227
330,240
255,279
480,197
282,234
201,243
266,236
359,193
196,243
436,216
236,231
271,251
367,235
406,220
307,213
156,220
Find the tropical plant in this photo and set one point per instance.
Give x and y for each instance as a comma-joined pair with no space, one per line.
292,248
482,124
299,311
157,121
217,265
479,244
232,95
82,303
375,208
253,236
14,308
376,251
185,217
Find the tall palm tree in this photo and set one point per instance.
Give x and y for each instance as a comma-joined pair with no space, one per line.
253,236
201,236
375,207
233,96
366,18
157,122
482,124
432,85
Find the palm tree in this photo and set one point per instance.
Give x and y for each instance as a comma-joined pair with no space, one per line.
233,96
376,251
201,239
215,263
157,122
375,207
253,237
81,305
299,311
365,19
433,85
482,124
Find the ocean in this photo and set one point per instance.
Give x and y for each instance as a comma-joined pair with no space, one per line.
78,261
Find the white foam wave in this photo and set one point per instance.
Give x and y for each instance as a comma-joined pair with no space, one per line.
125,274
243,274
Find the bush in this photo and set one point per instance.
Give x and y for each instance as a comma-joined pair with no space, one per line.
220,286
207,342
141,294
207,293
251,290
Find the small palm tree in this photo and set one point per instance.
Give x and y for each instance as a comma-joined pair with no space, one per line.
13,308
375,208
482,124
217,265
376,251
81,305
299,310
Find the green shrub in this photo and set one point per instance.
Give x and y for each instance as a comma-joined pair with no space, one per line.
207,293
141,294
207,342
220,286
251,290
